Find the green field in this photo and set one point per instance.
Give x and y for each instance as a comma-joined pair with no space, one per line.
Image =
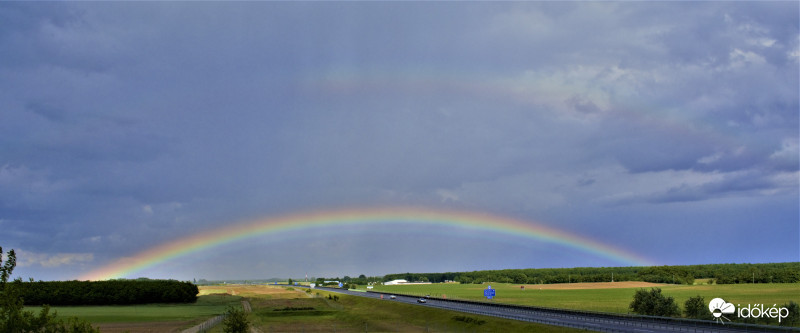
292,309
314,312
206,306
606,300
279,308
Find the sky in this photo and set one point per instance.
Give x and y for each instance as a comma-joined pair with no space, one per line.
668,130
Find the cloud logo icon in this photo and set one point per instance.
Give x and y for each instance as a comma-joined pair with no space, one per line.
718,307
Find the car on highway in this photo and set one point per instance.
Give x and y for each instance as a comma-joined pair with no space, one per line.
422,300
392,296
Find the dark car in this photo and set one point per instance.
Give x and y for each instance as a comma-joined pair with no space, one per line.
422,300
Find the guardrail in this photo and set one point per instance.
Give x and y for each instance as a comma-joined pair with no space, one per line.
557,315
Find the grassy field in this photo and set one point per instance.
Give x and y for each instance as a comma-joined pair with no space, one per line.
148,317
277,309
607,297
281,309
206,306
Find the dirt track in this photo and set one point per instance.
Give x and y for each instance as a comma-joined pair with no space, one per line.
143,327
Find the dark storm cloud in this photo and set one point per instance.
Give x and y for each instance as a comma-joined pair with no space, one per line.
131,124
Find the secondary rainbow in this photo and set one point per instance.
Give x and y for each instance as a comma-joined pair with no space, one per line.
373,217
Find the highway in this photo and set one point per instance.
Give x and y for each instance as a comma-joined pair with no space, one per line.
600,322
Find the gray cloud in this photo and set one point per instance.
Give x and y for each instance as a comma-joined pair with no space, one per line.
131,124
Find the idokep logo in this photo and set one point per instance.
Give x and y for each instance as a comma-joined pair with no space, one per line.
718,307
758,311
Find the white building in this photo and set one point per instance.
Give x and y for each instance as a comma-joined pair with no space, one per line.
394,282
401,281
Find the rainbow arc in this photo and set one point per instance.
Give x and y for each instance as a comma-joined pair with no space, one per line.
373,217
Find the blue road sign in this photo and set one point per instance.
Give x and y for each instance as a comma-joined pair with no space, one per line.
489,292
340,285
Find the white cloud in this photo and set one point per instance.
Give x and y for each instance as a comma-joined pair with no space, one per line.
789,150
447,195
710,158
739,58
25,259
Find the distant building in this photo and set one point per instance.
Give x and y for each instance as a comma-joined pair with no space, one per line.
393,282
401,281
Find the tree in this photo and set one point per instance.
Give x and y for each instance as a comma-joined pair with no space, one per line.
518,277
290,281
653,303
235,321
14,319
695,307
794,314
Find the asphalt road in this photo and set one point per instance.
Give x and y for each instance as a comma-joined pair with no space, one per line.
589,321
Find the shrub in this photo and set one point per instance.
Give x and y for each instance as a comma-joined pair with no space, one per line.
235,321
653,303
695,307
794,314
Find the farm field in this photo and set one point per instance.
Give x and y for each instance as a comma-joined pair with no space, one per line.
291,309
282,309
602,296
148,317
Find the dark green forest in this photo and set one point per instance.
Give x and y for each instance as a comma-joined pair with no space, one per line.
116,292
718,273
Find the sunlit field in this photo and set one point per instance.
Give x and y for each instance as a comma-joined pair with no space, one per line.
282,309
291,309
143,318
605,297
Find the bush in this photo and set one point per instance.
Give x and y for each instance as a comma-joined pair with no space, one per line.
695,307
653,303
794,314
235,321
469,320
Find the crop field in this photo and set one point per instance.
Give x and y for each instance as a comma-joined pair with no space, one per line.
603,296
281,309
291,309
148,317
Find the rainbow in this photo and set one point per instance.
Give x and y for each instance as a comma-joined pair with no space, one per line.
372,217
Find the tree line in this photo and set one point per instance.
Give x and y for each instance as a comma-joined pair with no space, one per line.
718,273
116,292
